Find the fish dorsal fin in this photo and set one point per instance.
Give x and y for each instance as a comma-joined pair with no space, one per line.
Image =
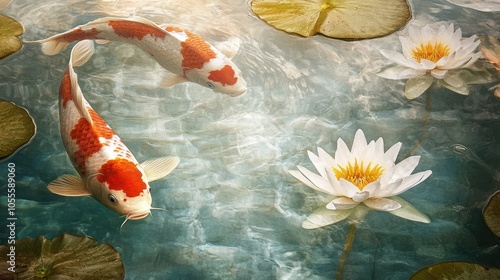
159,167
69,185
133,18
80,54
230,47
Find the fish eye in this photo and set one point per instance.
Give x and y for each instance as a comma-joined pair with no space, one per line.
112,198
210,85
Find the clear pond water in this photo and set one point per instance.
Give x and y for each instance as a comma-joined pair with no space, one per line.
232,209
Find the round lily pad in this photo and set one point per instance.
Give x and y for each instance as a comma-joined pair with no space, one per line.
343,19
16,128
64,257
491,214
456,270
10,30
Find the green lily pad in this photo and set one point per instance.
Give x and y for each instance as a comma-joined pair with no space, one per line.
456,270
64,257
491,214
16,128
343,19
10,30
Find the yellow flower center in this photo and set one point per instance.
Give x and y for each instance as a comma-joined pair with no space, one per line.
432,52
357,174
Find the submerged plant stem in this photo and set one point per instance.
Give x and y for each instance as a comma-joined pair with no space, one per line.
349,240
423,131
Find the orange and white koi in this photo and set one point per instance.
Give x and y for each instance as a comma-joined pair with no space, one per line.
108,170
186,55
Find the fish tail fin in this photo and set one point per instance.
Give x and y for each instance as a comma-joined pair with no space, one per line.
52,45
80,54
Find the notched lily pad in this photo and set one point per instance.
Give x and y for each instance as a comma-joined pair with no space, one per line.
10,30
456,270
17,128
491,213
343,19
64,257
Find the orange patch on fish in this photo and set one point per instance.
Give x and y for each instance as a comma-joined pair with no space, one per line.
225,76
79,34
87,137
121,174
65,88
131,30
195,50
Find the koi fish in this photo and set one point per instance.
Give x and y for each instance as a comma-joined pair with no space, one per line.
186,55
108,170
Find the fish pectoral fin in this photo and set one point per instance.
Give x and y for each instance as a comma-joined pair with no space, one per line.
159,167
230,47
172,79
69,185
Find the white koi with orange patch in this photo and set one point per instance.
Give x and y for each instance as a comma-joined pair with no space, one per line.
108,170
181,52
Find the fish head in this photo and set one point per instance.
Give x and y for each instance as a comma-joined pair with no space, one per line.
219,74
122,186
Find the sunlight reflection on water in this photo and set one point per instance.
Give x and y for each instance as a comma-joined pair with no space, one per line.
232,209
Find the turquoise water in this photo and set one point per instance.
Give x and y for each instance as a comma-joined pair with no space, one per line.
232,209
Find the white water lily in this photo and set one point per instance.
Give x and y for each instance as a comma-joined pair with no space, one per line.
364,175
428,55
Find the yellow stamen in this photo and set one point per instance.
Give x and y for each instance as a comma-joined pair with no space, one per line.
432,52
325,6
357,174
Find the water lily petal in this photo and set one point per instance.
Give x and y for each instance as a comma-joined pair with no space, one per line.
329,162
439,73
304,180
400,59
426,34
342,154
402,169
368,154
382,204
454,79
323,217
473,59
416,86
464,90
407,211
359,143
427,64
379,147
341,203
348,189
327,159
390,156
388,190
317,180
361,196
411,181
372,188
406,47
318,164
